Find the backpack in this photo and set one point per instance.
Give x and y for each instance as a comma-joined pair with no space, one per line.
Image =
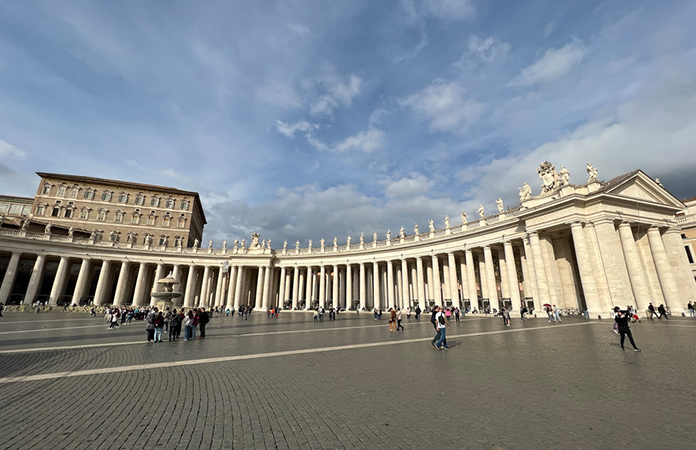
441,319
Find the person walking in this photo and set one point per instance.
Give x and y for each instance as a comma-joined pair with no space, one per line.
392,319
436,309
456,314
556,314
408,314
398,320
159,326
442,325
506,316
202,322
114,321
621,318
692,312
418,313
651,311
663,312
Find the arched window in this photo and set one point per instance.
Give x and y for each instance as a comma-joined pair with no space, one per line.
115,236
182,222
68,213
46,189
56,211
84,213
167,220
151,219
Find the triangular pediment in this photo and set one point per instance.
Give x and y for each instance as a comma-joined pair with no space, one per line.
637,185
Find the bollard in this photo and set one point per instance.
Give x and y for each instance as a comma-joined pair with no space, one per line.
599,317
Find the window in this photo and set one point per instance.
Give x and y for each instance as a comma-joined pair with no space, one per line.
101,215
170,203
68,213
73,192
115,236
135,219
89,194
84,214
140,199
106,196
177,241
167,221
61,191
185,205
56,211
689,255
40,210
46,189
123,198
151,220
182,222
118,217
163,240
155,201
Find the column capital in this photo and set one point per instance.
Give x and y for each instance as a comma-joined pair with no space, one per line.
576,223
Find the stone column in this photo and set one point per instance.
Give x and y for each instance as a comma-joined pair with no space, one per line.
437,286
430,280
664,269
267,287
231,288
589,287
308,295
159,274
445,285
219,288
176,274
375,285
82,278
335,297
614,262
453,282
9,279
238,287
287,291
140,284
59,281
471,279
635,270
490,278
322,286
258,303
349,287
502,269
100,294
421,295
676,253
539,269
35,280
391,301
530,284
553,276
281,288
295,286
190,285
600,274
121,283
483,278
512,277
363,287
405,300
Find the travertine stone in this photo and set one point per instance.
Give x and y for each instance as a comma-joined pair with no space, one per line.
636,272
512,276
664,268
58,282
35,280
585,268
120,284
614,262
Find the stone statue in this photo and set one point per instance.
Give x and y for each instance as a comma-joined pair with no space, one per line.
263,244
47,230
374,237
309,246
224,245
348,241
447,222
25,224
210,244
565,176
525,192
402,233
549,176
481,212
236,243
335,241
166,241
285,245
196,242
71,231
592,172
499,203
297,245
148,239
657,180
431,225
321,243
130,239
269,244
362,238
389,235
463,217
243,243
254,240
415,229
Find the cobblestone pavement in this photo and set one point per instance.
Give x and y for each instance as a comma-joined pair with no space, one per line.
68,383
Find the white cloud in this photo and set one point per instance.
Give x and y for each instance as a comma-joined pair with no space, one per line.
446,106
367,141
553,65
488,49
7,149
332,91
289,129
412,187
279,94
413,53
298,28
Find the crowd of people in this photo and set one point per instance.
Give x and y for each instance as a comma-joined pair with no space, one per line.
169,321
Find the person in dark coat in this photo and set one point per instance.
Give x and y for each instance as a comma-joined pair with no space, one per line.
621,318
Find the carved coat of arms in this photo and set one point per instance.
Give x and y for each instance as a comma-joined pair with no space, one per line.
549,177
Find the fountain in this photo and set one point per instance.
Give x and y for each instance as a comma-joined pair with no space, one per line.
167,294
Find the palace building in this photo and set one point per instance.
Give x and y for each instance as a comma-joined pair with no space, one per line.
586,247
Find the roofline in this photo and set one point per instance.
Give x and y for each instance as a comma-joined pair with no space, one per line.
109,182
15,197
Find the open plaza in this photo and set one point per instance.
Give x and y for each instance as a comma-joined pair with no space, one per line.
66,382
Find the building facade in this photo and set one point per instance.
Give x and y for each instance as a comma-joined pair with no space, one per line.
119,211
585,247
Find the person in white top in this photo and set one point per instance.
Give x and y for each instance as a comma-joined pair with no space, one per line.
442,324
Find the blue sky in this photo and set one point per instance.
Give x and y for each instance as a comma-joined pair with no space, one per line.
306,119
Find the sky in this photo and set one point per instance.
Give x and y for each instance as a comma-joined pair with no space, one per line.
304,119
